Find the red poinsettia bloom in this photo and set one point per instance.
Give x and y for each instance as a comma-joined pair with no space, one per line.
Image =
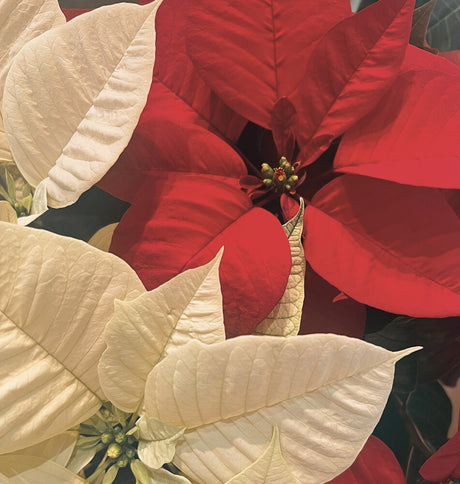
382,219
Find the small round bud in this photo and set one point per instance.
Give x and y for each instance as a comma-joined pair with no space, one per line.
120,437
122,461
268,182
293,179
130,452
131,439
267,170
106,438
114,450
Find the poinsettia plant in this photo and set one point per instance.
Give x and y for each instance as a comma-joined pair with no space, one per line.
150,378
253,107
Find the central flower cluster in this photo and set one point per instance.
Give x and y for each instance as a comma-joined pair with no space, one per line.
115,437
282,178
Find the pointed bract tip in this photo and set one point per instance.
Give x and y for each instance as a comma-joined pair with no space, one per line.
398,355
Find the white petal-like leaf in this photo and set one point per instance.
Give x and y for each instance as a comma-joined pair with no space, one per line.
74,95
162,476
157,442
22,20
324,392
103,237
5,153
7,212
39,205
269,468
26,469
56,295
284,320
80,458
145,330
57,449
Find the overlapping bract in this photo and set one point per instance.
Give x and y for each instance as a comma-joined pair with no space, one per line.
396,104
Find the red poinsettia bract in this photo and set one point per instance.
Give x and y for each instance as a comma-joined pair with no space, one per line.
383,230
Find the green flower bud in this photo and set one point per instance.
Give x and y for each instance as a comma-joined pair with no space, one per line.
130,452
120,437
114,450
131,439
122,461
268,182
267,170
106,438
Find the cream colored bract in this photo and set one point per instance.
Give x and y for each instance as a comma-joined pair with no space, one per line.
73,95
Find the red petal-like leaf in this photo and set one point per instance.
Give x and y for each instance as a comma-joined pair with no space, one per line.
176,71
183,183
170,136
394,247
412,135
349,71
71,13
252,53
324,311
375,464
184,221
445,463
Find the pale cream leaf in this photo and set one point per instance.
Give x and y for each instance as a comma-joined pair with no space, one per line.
26,469
103,237
324,392
56,296
162,476
7,212
269,468
284,320
73,97
157,442
145,330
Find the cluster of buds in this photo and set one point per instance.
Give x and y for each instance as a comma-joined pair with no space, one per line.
282,178
114,434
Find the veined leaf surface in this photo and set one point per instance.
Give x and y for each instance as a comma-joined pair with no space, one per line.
56,295
324,392
96,69
145,330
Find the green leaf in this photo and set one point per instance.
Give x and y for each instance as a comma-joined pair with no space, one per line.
56,295
284,320
444,28
11,186
111,474
145,330
420,21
